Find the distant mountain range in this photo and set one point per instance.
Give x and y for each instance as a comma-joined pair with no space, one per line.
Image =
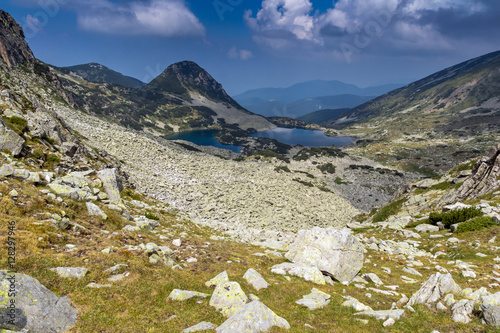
98,73
323,117
306,97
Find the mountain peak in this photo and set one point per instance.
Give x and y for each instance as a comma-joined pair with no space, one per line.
13,47
95,72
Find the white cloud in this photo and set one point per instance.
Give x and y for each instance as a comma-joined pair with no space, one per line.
169,18
283,24
235,53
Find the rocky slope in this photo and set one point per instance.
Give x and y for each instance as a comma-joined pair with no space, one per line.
13,50
435,123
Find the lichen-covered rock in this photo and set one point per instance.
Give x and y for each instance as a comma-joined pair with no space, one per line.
382,314
9,140
220,278
308,273
336,252
112,184
182,295
42,311
69,148
255,279
355,304
93,209
437,286
491,314
64,191
203,326
228,298
14,49
70,272
315,300
255,317
462,311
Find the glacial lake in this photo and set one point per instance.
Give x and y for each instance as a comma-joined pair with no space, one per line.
290,136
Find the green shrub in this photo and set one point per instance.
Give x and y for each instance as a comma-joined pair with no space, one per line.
271,154
339,181
326,168
477,223
282,168
151,216
455,216
53,159
391,209
38,154
308,184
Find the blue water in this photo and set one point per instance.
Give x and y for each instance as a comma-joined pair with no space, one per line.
306,138
290,136
204,138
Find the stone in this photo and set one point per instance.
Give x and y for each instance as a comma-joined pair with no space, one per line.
304,271
112,183
441,307
336,252
454,227
147,224
254,317
9,140
382,314
64,191
411,271
462,311
389,322
469,274
491,299
6,170
355,304
426,228
39,309
203,326
13,194
176,242
373,278
70,272
228,298
118,277
98,286
434,288
220,278
182,295
94,210
315,300
69,148
255,279
491,314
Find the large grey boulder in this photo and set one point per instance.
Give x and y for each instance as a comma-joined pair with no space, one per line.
228,298
39,310
9,140
112,184
94,210
436,287
255,279
255,317
334,252
491,314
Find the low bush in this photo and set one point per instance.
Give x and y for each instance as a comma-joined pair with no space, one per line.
326,168
477,223
455,216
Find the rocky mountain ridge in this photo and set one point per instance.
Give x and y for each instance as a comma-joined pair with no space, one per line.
97,73
13,49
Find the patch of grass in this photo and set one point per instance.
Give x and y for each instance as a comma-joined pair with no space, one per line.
52,160
340,181
151,216
475,224
131,194
327,168
417,223
17,124
305,173
38,154
391,209
307,153
308,184
444,186
267,153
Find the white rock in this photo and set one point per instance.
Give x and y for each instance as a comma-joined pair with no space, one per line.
228,298
255,279
304,271
315,300
354,303
253,317
426,228
182,295
203,326
434,288
93,209
337,252
389,322
177,242
462,311
220,278
373,278
70,272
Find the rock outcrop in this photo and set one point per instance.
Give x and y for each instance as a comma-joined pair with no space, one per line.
39,309
334,252
13,48
9,140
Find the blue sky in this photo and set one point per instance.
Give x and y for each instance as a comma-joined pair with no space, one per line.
249,44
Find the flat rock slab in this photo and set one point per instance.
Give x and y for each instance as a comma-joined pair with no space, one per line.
491,315
203,326
112,184
228,298
315,300
382,314
254,317
308,273
70,272
426,228
437,286
182,295
255,279
355,304
40,309
336,252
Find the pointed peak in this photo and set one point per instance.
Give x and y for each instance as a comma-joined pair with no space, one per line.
13,47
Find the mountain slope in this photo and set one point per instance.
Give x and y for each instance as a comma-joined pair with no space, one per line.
435,122
322,116
98,73
13,48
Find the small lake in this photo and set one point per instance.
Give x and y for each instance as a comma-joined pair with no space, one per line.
204,138
306,138
290,136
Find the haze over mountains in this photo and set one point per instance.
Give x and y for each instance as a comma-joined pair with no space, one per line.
305,97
